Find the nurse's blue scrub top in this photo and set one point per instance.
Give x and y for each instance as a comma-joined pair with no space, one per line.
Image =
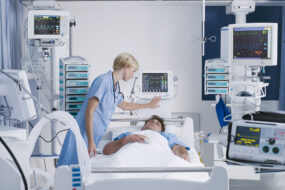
102,88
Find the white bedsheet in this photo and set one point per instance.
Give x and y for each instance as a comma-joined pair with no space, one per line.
156,153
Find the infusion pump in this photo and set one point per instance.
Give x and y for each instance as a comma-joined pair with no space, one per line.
154,83
257,141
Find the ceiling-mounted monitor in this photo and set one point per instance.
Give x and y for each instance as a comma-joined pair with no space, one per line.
253,44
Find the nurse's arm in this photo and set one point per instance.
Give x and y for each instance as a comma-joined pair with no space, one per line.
91,107
133,106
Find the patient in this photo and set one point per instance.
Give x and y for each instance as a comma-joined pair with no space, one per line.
155,123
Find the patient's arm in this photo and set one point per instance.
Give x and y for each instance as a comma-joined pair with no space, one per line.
181,151
114,146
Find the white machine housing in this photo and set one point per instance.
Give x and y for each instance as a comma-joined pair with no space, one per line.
227,44
59,21
20,102
257,141
146,91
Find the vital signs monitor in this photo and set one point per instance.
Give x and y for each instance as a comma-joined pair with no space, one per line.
48,24
155,83
253,44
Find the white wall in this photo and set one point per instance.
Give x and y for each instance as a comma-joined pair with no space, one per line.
161,35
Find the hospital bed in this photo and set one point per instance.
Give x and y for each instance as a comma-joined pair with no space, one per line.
101,172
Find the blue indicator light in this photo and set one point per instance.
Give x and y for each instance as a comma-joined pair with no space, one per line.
76,180
76,184
76,175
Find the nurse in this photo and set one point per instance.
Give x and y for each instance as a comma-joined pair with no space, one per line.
100,102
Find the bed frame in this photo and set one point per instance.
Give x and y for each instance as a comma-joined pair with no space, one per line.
218,175
218,180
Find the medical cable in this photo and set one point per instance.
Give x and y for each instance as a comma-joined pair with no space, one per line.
18,83
30,61
6,113
16,162
49,141
28,52
220,130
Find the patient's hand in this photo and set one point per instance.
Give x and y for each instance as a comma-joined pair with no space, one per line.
136,138
185,156
180,151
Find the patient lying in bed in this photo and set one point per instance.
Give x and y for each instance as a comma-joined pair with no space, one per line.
147,148
150,134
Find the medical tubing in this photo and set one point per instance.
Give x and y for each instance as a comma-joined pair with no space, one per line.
4,113
67,120
28,52
17,82
16,162
49,141
30,61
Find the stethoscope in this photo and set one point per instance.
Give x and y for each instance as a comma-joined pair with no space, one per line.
114,89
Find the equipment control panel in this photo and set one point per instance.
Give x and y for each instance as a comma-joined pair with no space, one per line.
256,141
216,77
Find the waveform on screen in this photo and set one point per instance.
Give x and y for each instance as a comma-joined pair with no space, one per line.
45,27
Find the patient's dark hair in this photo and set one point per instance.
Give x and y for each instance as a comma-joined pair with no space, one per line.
159,119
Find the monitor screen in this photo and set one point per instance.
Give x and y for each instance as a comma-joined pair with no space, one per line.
46,25
247,136
252,43
155,82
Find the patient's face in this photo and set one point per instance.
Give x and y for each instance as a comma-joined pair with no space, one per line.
152,124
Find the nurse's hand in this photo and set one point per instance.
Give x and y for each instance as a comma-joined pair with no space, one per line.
154,102
92,149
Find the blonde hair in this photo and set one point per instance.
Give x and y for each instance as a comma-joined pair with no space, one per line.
125,60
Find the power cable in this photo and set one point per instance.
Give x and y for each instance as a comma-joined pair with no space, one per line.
16,162
49,141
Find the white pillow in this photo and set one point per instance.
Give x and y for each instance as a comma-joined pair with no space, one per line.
173,129
184,133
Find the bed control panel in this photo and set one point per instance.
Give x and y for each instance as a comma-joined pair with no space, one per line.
255,141
76,177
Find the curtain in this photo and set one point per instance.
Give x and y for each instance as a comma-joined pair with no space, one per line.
11,12
282,66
